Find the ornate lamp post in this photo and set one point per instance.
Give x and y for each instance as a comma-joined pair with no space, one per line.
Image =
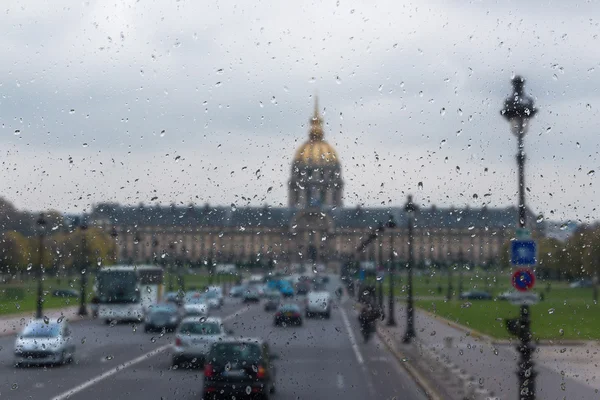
41,222
461,266
380,230
83,270
518,110
391,224
170,268
114,235
410,208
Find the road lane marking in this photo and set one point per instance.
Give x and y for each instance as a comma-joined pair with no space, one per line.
127,364
340,381
351,336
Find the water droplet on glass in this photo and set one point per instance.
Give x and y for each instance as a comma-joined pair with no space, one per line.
443,111
561,332
379,277
228,366
420,185
85,145
46,320
248,390
14,386
233,207
60,319
29,267
218,84
17,132
540,218
72,111
220,71
338,80
551,311
153,339
109,357
162,133
588,106
591,172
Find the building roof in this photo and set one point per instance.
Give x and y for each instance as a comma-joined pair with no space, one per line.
281,217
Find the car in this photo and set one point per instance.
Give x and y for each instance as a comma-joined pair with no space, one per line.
238,368
212,299
582,283
44,342
193,339
302,287
236,291
195,305
273,300
286,289
251,295
508,295
173,297
288,314
160,317
72,293
216,292
318,303
475,295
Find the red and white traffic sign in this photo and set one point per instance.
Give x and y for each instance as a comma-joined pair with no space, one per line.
523,279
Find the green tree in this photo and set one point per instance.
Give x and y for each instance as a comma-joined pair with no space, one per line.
13,252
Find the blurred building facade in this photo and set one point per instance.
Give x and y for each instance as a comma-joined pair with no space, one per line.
315,227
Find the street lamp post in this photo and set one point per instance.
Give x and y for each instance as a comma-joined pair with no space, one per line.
41,222
114,235
410,208
380,280
170,268
518,110
449,266
83,270
391,224
461,265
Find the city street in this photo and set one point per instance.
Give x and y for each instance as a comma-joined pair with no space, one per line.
322,359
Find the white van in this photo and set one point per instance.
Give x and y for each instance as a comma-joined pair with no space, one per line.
318,303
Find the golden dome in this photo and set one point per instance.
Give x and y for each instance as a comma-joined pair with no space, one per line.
316,151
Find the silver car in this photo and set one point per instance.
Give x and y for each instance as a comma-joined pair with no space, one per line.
194,337
43,342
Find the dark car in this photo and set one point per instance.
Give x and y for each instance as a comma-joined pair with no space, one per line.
65,293
475,295
162,316
302,287
236,291
238,368
288,314
273,300
251,295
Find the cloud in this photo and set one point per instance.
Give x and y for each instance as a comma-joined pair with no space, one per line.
410,92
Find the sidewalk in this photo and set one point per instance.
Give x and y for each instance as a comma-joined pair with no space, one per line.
12,324
460,365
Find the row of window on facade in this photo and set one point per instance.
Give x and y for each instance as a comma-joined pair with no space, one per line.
242,247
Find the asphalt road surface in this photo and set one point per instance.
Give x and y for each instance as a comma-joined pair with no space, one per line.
323,359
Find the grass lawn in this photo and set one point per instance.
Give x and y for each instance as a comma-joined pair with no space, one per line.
550,319
28,302
564,313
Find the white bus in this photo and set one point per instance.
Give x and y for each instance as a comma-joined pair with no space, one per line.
125,291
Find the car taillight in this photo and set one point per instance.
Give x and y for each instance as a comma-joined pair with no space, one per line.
178,342
208,371
262,372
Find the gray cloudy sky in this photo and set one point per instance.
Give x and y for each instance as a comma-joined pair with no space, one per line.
410,92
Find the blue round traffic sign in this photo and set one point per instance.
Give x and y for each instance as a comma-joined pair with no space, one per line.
523,279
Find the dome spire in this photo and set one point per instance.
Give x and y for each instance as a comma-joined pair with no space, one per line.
316,124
